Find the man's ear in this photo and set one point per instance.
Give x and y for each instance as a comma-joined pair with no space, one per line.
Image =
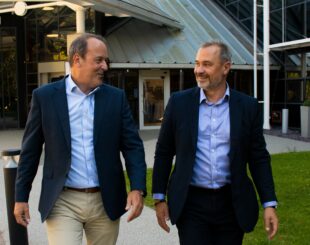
76,59
227,66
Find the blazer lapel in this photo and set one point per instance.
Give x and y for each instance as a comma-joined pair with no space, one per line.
194,110
61,104
235,113
101,108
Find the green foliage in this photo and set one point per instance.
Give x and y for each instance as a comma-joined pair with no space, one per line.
306,102
291,173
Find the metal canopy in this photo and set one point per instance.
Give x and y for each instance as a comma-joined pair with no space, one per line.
138,44
296,44
140,9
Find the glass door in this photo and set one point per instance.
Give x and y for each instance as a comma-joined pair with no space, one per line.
8,79
154,90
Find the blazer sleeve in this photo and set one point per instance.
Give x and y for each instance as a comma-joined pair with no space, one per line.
132,149
165,151
259,161
30,152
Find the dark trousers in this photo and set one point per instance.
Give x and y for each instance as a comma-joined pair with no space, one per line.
208,218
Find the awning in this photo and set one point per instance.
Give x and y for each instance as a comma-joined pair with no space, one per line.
139,9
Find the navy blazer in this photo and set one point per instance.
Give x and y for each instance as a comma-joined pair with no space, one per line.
114,132
178,137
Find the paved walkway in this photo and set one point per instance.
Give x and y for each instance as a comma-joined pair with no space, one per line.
141,231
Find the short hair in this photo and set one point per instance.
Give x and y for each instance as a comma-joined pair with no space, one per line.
79,45
225,53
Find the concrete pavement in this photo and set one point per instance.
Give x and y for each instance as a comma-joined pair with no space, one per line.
143,230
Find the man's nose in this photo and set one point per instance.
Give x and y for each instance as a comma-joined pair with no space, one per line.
104,66
199,69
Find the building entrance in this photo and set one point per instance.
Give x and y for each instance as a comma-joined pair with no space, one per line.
8,79
154,88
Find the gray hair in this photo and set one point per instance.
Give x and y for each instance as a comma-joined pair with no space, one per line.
79,45
225,53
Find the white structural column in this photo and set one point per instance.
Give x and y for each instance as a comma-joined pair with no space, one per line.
266,67
80,20
255,47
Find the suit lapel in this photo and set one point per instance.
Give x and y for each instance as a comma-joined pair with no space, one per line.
194,110
235,113
101,108
61,105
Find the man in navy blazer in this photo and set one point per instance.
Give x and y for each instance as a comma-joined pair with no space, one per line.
84,125
216,135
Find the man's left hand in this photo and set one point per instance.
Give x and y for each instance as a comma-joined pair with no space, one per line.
271,222
135,203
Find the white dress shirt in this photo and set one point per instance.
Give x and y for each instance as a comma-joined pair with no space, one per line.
83,170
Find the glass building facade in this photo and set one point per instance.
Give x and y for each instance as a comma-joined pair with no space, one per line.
41,36
289,21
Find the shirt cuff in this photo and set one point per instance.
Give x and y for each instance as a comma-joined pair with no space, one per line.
270,204
158,196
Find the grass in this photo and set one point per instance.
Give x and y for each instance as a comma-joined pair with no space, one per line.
291,173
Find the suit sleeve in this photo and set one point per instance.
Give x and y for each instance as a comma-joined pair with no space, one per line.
30,152
165,151
260,163
132,150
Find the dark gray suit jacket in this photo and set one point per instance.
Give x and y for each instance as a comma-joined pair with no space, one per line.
114,131
178,136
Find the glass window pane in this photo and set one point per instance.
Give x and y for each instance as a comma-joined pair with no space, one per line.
292,2
8,79
307,92
308,19
274,5
153,101
276,27
294,91
245,9
295,22
248,23
233,8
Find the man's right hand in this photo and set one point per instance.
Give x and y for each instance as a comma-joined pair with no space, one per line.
21,212
162,215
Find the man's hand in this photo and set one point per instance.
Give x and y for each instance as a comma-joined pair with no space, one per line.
162,215
21,212
135,203
271,222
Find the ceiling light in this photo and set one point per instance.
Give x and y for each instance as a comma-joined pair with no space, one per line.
52,35
20,8
48,8
122,15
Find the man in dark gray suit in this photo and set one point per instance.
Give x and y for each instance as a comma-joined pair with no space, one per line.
215,133
84,125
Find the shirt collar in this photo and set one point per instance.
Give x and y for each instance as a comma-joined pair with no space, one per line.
223,99
71,87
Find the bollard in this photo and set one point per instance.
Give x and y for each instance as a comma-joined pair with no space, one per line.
284,121
18,233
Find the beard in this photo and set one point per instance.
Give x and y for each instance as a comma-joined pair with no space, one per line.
207,84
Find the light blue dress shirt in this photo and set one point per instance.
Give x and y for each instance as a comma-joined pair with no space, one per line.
83,171
211,168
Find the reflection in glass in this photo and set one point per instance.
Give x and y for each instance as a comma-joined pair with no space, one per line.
8,84
153,101
295,29
294,91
